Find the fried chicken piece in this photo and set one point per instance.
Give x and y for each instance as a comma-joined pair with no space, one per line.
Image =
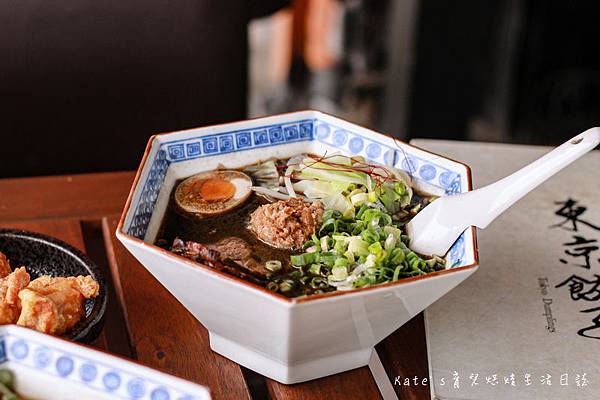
4,266
55,305
10,286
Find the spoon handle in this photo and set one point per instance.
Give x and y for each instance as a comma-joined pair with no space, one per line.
492,200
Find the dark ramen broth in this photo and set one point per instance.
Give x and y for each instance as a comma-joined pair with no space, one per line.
211,230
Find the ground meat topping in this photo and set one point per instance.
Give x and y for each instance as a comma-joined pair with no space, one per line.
286,224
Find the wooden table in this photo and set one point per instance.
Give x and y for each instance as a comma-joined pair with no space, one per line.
144,322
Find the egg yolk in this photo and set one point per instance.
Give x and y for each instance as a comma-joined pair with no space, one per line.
217,190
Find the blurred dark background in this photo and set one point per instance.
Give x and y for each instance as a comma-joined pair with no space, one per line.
83,83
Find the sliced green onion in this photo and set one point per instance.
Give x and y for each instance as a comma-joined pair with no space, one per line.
349,212
285,286
312,249
390,242
339,273
315,269
397,256
360,212
375,248
341,262
392,230
324,243
355,191
397,273
400,188
349,255
360,242
370,235
372,197
273,265
303,259
358,247
359,199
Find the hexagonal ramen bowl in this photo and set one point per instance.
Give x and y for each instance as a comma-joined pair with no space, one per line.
289,340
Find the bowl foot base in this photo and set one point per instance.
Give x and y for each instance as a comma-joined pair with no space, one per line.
288,374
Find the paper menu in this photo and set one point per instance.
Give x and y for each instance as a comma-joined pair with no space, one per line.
525,326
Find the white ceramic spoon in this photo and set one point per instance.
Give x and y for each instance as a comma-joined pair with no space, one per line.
437,226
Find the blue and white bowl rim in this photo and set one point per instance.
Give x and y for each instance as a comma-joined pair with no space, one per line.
169,148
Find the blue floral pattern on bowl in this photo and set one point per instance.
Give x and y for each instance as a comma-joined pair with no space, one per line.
341,137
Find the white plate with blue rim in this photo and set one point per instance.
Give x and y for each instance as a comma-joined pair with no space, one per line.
50,368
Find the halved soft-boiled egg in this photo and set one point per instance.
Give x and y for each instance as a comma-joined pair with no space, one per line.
213,192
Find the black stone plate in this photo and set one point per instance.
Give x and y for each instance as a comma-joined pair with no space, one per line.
45,255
